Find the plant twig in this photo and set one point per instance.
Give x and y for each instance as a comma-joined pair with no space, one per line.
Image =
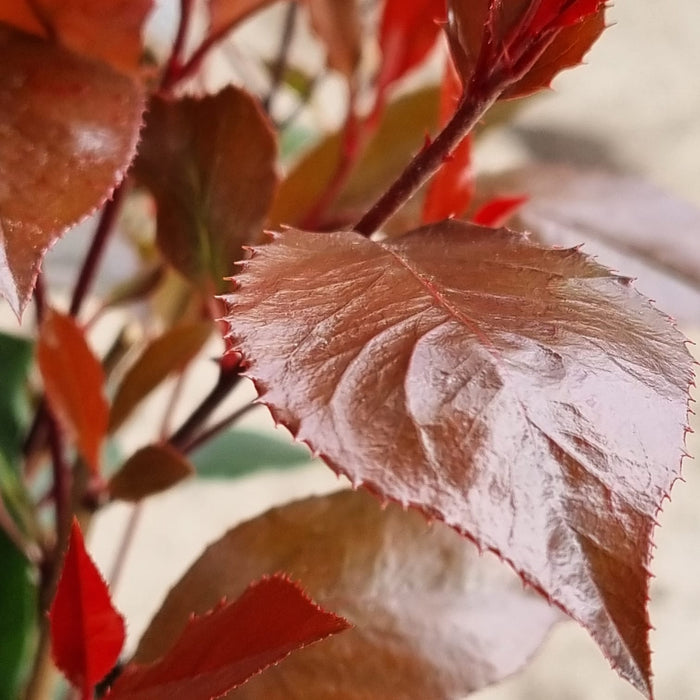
218,427
228,378
280,65
124,546
176,60
99,241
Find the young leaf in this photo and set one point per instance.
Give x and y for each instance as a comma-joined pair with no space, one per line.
452,187
148,471
224,648
109,30
87,633
210,164
68,128
337,23
166,355
432,618
496,211
408,31
527,41
73,382
528,397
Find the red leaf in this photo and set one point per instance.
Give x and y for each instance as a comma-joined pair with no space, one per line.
224,648
496,211
522,43
87,633
452,187
432,617
69,131
73,382
226,14
528,397
337,23
210,164
109,30
408,30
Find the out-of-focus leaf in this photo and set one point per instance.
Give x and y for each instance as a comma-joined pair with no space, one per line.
240,452
526,396
137,288
87,633
505,37
210,163
337,23
15,358
109,30
150,470
68,131
622,220
408,30
16,499
18,606
74,384
432,618
401,133
452,187
226,14
224,648
166,355
496,211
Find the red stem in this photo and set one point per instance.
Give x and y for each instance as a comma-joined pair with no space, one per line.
175,62
218,427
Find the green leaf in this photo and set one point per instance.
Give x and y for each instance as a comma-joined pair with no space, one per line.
15,358
18,605
240,452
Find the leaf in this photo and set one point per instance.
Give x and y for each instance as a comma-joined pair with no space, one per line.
240,452
68,131
148,471
452,187
15,359
168,354
226,14
210,163
407,32
528,397
432,618
109,31
18,606
496,211
621,220
224,648
400,134
73,382
87,633
337,23
539,39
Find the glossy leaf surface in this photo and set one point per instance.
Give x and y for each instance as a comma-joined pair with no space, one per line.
526,40
68,131
166,355
337,23
148,471
222,649
528,397
74,384
432,618
210,164
109,30
87,633
622,220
